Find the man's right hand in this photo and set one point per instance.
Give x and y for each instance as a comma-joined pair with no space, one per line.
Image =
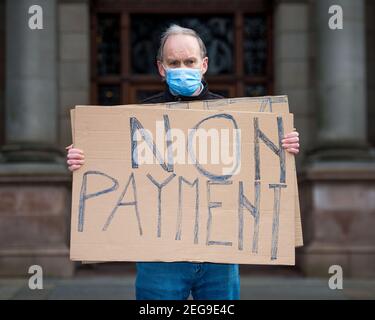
75,158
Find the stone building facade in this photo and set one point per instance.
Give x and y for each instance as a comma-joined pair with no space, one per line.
325,73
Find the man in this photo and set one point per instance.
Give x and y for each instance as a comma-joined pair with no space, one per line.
182,61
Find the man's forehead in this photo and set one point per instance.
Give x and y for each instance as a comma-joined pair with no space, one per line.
181,46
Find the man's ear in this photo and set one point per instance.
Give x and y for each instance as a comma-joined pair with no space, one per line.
204,65
161,69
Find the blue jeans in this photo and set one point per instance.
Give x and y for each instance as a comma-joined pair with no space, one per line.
176,280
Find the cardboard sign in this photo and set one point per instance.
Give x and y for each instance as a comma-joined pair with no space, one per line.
180,207
275,104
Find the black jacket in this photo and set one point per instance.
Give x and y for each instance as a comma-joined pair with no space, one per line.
166,96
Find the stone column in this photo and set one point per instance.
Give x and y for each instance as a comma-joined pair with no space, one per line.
341,82
338,183
31,83
34,181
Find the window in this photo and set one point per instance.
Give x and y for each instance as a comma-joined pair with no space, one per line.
126,39
215,31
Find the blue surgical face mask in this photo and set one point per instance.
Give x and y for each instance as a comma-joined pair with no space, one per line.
183,81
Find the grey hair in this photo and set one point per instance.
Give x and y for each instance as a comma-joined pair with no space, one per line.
175,29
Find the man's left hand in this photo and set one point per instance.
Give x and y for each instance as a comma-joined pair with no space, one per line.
291,142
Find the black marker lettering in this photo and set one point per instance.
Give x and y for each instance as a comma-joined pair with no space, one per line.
243,202
212,205
179,213
84,196
136,125
275,222
120,203
279,151
160,186
206,173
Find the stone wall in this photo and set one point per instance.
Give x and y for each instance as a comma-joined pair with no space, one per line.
74,62
334,211
2,70
370,52
34,180
292,60
34,226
